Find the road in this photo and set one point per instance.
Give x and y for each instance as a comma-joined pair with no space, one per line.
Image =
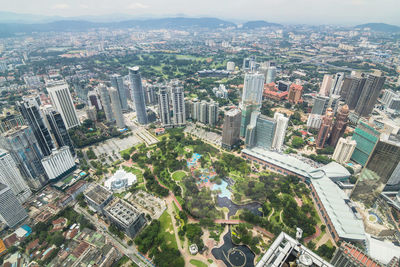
130,251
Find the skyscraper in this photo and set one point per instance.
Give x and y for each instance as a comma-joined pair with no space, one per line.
62,101
94,100
116,107
178,106
326,85
271,74
212,113
164,111
263,133
314,121
353,92
58,130
21,143
203,112
370,93
366,137
337,83
118,83
325,128
247,110
11,211
106,102
231,128
30,110
253,89
138,95
344,149
339,127
11,176
295,91
280,131
320,104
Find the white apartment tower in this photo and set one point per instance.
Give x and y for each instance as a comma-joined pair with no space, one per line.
11,211
344,149
11,176
280,131
163,107
326,85
178,106
59,163
116,108
253,88
62,101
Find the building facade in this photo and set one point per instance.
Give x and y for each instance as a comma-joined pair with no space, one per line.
11,211
366,137
314,121
164,111
116,108
58,164
326,85
138,95
339,126
106,102
280,131
178,106
118,83
369,94
325,129
320,105
253,88
295,92
231,128
344,149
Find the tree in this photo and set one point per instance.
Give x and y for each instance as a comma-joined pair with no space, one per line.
297,142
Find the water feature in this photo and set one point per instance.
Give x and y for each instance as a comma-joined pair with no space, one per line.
233,255
253,207
223,187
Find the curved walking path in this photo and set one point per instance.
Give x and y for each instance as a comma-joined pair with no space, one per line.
272,213
315,235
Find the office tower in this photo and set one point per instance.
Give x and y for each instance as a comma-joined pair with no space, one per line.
247,110
94,100
325,128
212,113
203,112
91,113
58,130
280,131
116,108
337,83
164,111
178,106
271,74
253,89
138,95
326,85
354,89
370,93
283,86
366,137
11,211
62,101
320,104
106,102
344,149
231,128
30,110
249,63
344,91
391,100
21,143
261,130
339,126
118,84
295,91
59,164
80,89
333,103
380,166
11,176
314,121
230,66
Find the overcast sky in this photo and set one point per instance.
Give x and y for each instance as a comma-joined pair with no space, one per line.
343,12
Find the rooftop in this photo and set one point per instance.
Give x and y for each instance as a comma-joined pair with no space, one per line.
98,194
122,211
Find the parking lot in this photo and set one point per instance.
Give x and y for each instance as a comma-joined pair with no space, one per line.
211,137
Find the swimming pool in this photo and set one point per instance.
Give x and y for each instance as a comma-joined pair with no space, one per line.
224,189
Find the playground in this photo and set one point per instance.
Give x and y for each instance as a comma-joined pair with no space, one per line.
202,175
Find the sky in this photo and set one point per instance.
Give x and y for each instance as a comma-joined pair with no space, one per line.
342,12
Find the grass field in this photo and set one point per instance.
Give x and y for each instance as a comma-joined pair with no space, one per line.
178,175
168,230
198,263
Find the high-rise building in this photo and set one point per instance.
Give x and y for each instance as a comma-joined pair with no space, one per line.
94,100
178,106
212,113
30,110
253,89
59,164
314,121
11,176
280,131
62,101
91,113
247,110
337,84
366,137
196,110
118,83
230,66
150,95
106,102
11,211
325,129
344,149
321,103
21,143
353,92
344,91
261,130
370,93
339,127
203,112
271,74
326,85
116,108
164,111
58,130
283,86
295,91
138,95
231,128
11,121
81,89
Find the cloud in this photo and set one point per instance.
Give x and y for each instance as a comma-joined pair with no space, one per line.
60,6
83,6
137,5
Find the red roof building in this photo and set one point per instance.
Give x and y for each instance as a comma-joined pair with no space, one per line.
295,91
271,92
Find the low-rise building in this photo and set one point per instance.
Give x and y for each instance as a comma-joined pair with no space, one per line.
97,197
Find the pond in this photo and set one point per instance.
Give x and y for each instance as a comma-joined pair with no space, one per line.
233,255
224,189
253,207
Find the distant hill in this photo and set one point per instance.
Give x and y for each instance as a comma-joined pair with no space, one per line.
259,24
380,27
9,29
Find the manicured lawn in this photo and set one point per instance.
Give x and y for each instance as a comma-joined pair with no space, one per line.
168,230
178,175
198,263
